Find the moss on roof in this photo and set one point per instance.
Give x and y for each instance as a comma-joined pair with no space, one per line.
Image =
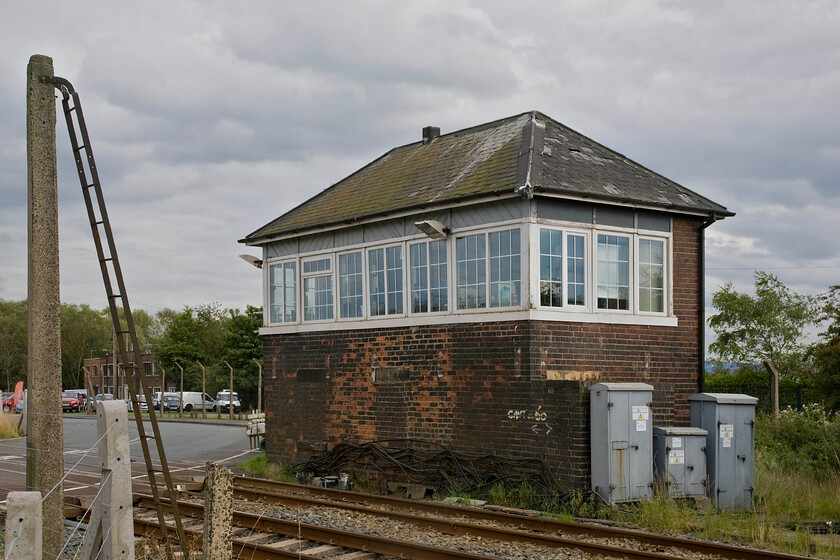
485,160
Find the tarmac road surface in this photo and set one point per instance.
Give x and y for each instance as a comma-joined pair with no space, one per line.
189,445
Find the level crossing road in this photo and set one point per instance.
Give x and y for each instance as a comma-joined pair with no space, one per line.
188,444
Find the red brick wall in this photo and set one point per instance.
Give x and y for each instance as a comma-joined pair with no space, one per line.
481,387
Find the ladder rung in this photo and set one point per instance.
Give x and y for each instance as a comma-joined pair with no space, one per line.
79,148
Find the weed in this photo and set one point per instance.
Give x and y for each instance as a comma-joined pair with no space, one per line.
9,425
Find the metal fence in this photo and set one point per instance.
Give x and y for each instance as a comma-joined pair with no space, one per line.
793,395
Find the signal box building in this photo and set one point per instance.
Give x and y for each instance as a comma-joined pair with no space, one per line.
465,289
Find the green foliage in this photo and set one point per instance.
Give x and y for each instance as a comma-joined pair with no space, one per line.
768,326
259,465
805,444
242,345
13,328
84,332
826,352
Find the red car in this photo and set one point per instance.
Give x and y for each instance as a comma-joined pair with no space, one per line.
72,401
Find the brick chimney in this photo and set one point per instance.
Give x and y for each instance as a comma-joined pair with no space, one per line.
430,133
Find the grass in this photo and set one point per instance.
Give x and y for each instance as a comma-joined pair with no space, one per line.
9,425
260,466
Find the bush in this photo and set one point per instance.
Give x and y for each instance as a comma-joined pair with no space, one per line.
805,443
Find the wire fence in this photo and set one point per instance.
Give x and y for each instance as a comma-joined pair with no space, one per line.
71,540
791,394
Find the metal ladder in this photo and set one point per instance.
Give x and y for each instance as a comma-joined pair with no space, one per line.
112,274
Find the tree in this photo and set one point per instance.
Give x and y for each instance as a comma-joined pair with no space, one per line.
768,326
13,342
826,352
242,345
85,332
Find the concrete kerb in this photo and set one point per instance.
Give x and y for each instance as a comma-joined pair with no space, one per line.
213,421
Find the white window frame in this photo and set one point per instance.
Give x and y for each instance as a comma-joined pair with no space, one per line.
666,274
338,256
536,283
631,267
523,268
303,276
426,243
368,289
297,291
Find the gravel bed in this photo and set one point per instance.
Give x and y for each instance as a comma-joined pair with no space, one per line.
383,526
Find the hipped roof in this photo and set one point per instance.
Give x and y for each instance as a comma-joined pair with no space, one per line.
530,154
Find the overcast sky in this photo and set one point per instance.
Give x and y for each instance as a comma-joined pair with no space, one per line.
209,119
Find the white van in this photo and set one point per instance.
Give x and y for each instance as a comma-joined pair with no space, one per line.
192,400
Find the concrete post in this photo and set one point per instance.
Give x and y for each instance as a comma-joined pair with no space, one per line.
774,386
259,385
44,440
230,400
113,514
181,406
218,513
203,390
23,526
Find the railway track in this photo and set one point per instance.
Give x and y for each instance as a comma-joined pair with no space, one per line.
265,535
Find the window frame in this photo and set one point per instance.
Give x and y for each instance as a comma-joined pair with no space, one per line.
427,243
536,283
367,271
297,291
524,265
303,276
666,275
337,282
631,267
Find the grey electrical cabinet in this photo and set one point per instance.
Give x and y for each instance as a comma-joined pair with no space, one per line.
679,461
621,441
730,421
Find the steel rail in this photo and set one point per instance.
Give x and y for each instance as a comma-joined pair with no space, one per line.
243,485
338,537
354,540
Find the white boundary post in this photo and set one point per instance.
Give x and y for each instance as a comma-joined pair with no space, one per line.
23,526
112,519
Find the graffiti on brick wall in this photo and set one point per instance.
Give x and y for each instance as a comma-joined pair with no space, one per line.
538,416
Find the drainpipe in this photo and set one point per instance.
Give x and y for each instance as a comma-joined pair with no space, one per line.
701,385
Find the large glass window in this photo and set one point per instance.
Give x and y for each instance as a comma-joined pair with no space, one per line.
317,290
576,269
613,272
471,255
282,292
428,277
385,280
504,268
350,290
551,268
651,276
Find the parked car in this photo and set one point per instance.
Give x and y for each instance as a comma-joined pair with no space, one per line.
9,402
192,400
72,401
101,397
223,400
143,406
171,403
